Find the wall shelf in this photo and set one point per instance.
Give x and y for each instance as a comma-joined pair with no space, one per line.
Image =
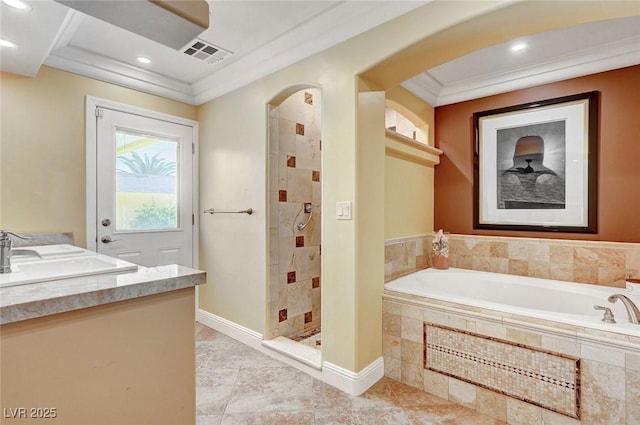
402,147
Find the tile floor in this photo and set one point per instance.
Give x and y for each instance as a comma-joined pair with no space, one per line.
237,385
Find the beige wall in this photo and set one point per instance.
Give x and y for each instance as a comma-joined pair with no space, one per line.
234,157
130,362
408,201
42,173
233,169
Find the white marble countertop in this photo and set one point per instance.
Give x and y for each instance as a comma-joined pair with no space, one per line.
34,300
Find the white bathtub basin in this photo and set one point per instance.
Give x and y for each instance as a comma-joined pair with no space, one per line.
553,300
62,265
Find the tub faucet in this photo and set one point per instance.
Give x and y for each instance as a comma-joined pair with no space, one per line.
633,313
6,252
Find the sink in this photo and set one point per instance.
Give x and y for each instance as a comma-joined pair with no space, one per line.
50,251
62,263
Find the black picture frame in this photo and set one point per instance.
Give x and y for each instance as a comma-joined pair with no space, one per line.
535,166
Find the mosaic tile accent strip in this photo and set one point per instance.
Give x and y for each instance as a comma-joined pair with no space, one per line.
315,176
299,129
308,98
291,161
299,241
540,377
282,196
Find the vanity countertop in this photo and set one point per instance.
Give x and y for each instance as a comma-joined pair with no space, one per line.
35,300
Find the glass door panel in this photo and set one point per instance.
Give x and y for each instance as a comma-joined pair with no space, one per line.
146,173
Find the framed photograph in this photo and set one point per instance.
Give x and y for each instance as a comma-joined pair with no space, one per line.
535,166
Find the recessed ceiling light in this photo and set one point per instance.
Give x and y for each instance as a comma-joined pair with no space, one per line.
6,43
18,4
518,46
144,60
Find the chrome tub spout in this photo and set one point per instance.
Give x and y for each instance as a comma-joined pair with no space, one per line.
633,313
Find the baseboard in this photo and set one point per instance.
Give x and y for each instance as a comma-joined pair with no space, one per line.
354,383
231,329
351,382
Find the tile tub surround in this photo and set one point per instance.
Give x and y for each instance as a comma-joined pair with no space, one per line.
406,255
294,182
593,262
609,363
46,298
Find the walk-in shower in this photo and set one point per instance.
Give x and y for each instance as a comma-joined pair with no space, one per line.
294,225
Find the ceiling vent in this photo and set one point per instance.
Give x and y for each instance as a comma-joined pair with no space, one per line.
205,51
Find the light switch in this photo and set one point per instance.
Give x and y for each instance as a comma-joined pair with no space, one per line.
343,210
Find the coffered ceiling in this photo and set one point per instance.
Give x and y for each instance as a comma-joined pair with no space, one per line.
258,37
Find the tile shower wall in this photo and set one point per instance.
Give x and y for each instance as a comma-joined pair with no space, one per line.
594,262
294,284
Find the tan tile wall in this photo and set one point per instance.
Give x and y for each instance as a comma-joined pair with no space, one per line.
594,262
294,180
610,372
406,255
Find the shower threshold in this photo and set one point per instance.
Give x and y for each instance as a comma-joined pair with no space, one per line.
301,352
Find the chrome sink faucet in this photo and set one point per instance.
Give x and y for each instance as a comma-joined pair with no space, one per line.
633,313
6,251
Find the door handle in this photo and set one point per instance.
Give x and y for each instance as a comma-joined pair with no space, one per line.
107,239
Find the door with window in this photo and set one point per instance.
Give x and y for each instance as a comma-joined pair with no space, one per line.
144,190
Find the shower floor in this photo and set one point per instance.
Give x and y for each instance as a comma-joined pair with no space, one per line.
312,338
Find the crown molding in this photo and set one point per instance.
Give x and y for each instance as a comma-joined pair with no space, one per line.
337,24
585,62
425,87
101,68
78,61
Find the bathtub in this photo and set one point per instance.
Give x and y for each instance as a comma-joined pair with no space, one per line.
552,300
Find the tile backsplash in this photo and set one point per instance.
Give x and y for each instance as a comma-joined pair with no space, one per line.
594,262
